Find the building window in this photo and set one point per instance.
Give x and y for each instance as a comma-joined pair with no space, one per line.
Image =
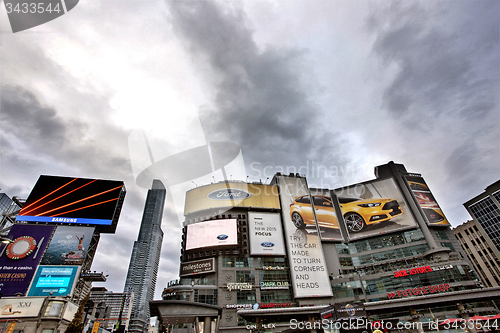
245,276
245,296
207,296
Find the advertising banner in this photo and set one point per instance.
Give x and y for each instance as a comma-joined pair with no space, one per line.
350,310
54,281
305,254
68,246
19,259
373,208
72,200
328,222
197,267
432,212
17,307
231,194
266,234
212,233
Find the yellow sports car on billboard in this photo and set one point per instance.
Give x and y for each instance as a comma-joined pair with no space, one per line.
357,212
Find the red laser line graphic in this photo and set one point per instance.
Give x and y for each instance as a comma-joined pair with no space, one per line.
35,208
99,203
57,189
75,202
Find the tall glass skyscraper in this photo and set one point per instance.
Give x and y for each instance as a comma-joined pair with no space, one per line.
143,267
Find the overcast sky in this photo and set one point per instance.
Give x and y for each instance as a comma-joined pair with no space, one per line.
341,85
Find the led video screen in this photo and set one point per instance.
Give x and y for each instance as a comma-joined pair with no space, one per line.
432,212
73,201
212,234
54,281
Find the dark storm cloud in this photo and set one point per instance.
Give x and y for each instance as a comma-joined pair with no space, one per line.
260,101
446,59
22,111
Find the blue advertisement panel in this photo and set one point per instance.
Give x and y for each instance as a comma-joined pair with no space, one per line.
72,201
54,280
19,259
68,246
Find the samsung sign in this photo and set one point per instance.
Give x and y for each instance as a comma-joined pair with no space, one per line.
228,194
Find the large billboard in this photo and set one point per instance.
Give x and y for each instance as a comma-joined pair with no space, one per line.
68,246
305,253
65,200
18,307
432,212
54,281
373,208
231,194
19,259
197,267
328,221
266,235
212,233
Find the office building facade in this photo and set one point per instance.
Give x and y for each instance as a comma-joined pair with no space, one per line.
485,209
145,258
480,251
265,256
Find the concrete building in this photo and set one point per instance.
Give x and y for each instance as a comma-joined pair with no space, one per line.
256,257
481,252
485,210
143,267
108,307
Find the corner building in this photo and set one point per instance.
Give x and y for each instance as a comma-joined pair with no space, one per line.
271,258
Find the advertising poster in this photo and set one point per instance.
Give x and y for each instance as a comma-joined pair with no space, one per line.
72,200
231,194
266,234
328,222
69,246
54,280
373,207
432,212
17,307
305,254
19,259
212,234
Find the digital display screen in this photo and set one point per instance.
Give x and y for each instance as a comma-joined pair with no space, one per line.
72,201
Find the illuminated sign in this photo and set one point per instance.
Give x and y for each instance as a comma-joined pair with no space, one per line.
19,259
272,305
413,271
274,285
239,286
197,267
432,212
273,268
53,281
349,310
211,234
68,246
238,306
73,201
419,291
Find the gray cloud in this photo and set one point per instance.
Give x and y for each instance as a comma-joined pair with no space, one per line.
260,99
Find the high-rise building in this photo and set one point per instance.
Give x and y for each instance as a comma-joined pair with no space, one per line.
480,251
485,209
284,256
143,267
